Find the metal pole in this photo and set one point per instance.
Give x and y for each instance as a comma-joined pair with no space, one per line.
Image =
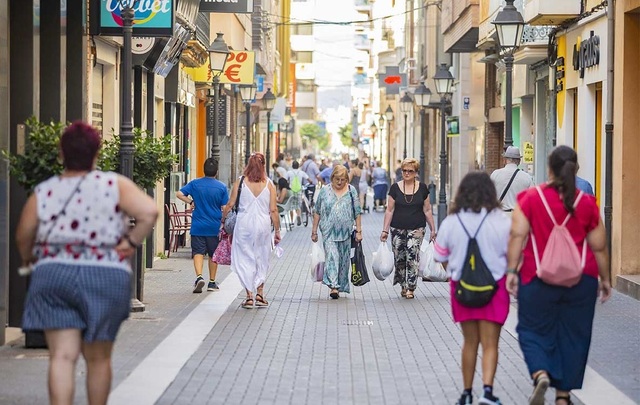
247,144
508,140
268,165
404,152
442,204
215,143
127,147
389,151
278,141
380,142
422,136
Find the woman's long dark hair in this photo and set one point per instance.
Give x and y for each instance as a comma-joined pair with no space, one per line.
476,191
563,163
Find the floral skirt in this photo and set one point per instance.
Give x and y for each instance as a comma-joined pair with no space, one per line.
406,253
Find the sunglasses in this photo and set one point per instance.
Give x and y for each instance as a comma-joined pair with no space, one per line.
407,171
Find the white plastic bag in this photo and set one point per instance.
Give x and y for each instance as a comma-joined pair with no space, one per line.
317,262
382,262
428,267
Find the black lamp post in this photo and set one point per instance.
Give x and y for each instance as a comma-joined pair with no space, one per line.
422,96
287,124
509,27
443,81
380,125
127,148
405,106
248,94
218,53
388,114
268,102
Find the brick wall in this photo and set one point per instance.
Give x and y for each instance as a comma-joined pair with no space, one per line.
494,140
494,132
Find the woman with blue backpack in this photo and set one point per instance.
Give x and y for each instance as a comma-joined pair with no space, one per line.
472,245
558,235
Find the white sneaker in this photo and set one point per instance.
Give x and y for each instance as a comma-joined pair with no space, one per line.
486,401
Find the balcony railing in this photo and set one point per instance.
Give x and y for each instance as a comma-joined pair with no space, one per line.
536,34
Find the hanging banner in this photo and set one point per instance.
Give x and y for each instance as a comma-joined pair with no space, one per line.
239,69
151,18
226,6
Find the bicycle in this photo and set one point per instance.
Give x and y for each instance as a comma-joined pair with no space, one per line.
306,208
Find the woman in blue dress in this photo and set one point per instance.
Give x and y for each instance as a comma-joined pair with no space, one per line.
335,211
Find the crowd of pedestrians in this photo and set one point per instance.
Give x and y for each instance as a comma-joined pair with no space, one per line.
74,234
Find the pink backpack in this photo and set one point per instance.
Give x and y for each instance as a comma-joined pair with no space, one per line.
561,263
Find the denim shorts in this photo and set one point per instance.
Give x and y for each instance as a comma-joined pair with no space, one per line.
203,245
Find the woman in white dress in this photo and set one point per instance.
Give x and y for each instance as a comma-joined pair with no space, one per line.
252,240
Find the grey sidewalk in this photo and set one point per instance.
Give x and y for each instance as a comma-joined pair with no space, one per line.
369,347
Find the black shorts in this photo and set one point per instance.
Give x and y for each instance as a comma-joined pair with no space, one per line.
203,245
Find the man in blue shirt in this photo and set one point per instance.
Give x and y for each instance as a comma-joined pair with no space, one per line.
206,196
584,185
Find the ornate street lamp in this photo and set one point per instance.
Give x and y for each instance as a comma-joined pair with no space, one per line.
422,95
388,114
443,81
268,102
380,125
218,54
405,106
509,26
248,94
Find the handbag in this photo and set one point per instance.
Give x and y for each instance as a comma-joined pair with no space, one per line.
222,255
359,275
230,220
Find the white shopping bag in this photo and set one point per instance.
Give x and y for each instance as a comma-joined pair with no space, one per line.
428,267
382,262
317,262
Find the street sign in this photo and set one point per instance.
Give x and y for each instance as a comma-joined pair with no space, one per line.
527,154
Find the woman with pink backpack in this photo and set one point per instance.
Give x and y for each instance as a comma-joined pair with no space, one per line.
565,251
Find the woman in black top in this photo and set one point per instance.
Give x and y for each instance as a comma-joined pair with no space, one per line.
407,225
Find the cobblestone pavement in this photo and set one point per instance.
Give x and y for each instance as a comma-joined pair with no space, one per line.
369,347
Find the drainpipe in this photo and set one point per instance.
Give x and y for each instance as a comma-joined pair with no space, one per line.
608,128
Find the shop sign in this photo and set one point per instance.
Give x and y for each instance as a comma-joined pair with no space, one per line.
586,53
151,18
453,126
226,6
527,154
239,69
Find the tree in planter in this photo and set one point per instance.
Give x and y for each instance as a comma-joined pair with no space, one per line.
153,159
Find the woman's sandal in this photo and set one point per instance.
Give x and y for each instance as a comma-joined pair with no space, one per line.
261,302
409,295
334,294
248,303
403,293
566,398
540,385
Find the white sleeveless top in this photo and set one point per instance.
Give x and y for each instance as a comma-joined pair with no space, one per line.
87,230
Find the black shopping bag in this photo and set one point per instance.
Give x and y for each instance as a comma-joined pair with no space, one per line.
359,275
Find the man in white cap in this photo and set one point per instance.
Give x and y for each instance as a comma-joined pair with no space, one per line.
510,180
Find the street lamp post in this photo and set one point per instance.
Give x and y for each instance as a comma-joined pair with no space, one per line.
380,125
443,81
422,96
405,106
248,94
509,27
127,148
218,53
374,131
268,102
388,114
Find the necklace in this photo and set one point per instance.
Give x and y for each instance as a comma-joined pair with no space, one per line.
404,192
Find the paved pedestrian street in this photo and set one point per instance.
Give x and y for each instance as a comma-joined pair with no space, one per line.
368,347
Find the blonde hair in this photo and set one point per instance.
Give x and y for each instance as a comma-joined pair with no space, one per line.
410,162
338,171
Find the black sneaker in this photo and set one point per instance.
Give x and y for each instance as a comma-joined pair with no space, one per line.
465,399
212,286
198,285
299,221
